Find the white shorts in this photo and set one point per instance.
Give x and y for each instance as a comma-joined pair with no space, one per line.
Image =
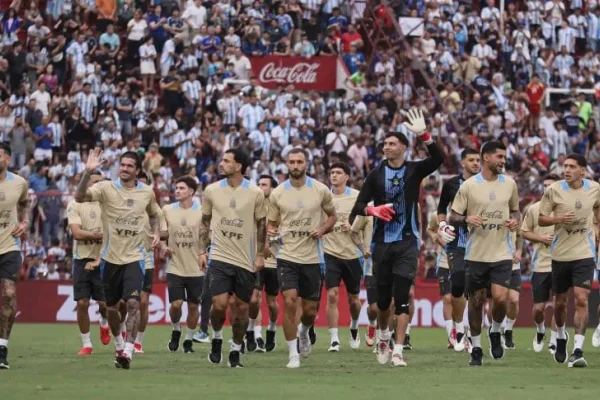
41,154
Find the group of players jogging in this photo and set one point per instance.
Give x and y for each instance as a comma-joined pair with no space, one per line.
293,237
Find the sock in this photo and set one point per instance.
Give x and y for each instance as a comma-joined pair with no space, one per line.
87,341
509,324
251,324
333,332
293,349
272,326
218,335
129,349
560,332
176,326
553,335
449,327
408,329
303,329
190,334
123,327
354,324
119,343
578,342
373,322
495,326
235,347
541,328
398,349
4,342
103,322
377,333
476,340
385,334
460,327
139,338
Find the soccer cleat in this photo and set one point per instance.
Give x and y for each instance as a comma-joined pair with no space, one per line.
123,360
370,336
294,362
260,345
250,341
105,335
450,345
398,360
137,348
560,355
460,342
271,344
596,338
496,349
118,354
312,335
188,346
383,352
304,345
174,342
85,351
234,360
354,339
476,357
335,347
215,355
3,357
576,360
509,342
201,337
538,342
552,348
407,345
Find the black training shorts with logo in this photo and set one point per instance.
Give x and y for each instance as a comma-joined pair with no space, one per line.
231,279
443,275
337,270
186,288
122,281
515,280
480,275
371,287
398,258
10,263
305,278
87,284
267,278
568,274
541,286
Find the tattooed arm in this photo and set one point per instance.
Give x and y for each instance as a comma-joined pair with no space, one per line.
205,232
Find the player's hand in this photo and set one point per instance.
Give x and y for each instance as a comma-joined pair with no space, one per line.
167,251
98,235
346,226
567,218
92,265
446,232
512,224
367,255
384,212
316,234
475,220
203,261
94,160
547,239
268,252
517,257
155,240
20,229
415,121
259,262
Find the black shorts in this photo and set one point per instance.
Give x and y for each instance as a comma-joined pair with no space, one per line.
480,275
148,280
10,263
267,279
305,278
371,286
337,269
231,279
515,280
541,286
456,261
87,284
443,275
567,274
398,258
186,288
122,281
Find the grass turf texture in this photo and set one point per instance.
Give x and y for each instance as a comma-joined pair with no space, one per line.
45,365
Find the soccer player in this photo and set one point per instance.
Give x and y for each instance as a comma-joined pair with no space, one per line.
394,186
296,210
267,279
488,203
14,213
342,258
570,205
456,237
234,210
86,225
514,290
123,203
181,227
541,279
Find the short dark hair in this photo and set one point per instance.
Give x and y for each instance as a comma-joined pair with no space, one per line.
343,166
400,136
578,158
6,147
189,181
240,157
551,177
134,156
298,150
144,175
492,146
271,179
467,152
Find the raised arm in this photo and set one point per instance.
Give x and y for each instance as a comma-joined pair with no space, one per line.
94,161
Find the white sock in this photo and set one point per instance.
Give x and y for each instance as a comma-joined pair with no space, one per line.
553,335
103,322
560,332
303,329
190,334
293,349
235,347
449,326
333,333
385,334
139,338
476,341
251,324
258,331
119,343
541,327
4,342
272,326
218,334
509,324
354,324
460,327
408,329
578,342
398,349
87,341
129,349
373,322
176,326
124,327
496,326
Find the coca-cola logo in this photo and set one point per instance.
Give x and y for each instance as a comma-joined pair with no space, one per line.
301,73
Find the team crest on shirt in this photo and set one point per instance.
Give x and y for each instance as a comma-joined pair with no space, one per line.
300,204
129,203
92,214
578,204
232,203
492,196
2,196
183,222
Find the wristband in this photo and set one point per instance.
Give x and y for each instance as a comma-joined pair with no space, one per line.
426,137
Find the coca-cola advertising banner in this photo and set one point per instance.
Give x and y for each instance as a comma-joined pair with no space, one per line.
315,73
58,305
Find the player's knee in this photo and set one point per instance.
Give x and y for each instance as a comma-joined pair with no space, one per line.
581,302
513,298
9,293
332,296
447,299
144,301
402,295
177,304
458,284
290,301
83,303
384,299
192,307
241,308
539,308
353,299
133,305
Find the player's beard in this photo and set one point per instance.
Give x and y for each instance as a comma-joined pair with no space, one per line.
298,174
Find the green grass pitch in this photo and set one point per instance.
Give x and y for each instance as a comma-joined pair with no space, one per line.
45,365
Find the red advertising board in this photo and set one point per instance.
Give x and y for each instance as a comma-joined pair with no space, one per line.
315,73
52,301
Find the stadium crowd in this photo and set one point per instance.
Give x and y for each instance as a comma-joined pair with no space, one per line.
173,81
